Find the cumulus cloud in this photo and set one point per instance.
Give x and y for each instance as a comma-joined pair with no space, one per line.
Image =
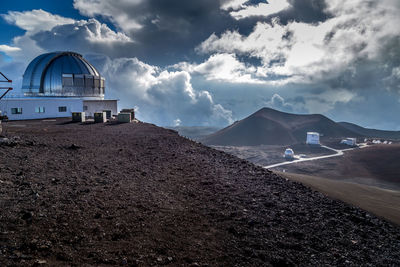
233,4
80,32
278,102
117,11
392,82
223,68
308,11
177,122
161,96
265,43
299,52
36,20
7,48
45,31
33,22
261,9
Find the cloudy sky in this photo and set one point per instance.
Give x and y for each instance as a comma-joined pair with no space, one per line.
211,62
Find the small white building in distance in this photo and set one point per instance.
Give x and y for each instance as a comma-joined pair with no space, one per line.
349,141
289,153
312,138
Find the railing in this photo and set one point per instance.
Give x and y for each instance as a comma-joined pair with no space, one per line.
7,88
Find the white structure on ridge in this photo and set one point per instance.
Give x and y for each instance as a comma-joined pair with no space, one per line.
349,141
312,138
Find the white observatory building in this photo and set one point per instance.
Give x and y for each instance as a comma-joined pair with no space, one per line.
289,154
312,138
57,84
349,141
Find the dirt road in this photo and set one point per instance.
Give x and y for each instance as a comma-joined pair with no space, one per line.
337,153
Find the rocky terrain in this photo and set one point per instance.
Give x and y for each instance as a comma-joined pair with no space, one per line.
381,202
140,195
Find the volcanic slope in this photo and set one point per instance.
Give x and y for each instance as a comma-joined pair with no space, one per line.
271,127
140,195
374,133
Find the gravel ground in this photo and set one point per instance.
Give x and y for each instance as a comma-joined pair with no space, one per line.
140,195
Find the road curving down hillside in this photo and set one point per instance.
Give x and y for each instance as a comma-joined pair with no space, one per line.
140,195
337,153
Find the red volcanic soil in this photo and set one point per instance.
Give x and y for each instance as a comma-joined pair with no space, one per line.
140,195
271,127
374,165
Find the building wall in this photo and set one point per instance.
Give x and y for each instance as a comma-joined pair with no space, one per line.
92,106
312,139
30,106
349,141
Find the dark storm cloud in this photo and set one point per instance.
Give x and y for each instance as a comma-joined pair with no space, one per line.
299,99
84,37
375,110
309,11
170,29
365,74
176,27
255,2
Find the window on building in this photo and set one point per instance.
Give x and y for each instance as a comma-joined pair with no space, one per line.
67,80
62,109
96,82
79,80
16,111
85,108
89,81
39,109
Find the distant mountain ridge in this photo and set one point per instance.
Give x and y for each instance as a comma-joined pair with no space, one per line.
272,127
373,133
194,132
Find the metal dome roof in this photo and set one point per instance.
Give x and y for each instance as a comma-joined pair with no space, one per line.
62,74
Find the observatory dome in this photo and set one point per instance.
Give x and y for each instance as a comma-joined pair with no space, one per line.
289,153
62,74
